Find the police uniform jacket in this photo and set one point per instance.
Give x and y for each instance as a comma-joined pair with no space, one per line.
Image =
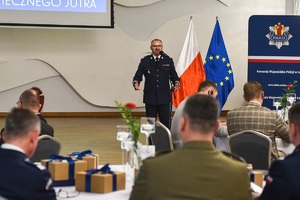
283,180
157,79
22,180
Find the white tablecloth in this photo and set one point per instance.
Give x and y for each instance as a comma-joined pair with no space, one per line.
117,195
285,147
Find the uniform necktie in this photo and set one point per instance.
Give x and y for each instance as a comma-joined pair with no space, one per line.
156,59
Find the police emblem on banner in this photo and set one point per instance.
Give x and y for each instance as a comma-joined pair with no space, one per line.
279,35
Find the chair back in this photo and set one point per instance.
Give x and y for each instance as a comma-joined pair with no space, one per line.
46,146
161,139
253,146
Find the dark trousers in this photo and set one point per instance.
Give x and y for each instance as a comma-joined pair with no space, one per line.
163,112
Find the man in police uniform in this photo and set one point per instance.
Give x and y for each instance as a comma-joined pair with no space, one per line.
20,179
158,69
283,180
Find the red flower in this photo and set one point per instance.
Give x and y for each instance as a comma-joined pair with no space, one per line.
130,105
289,86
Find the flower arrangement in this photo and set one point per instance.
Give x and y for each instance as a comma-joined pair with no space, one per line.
289,88
130,120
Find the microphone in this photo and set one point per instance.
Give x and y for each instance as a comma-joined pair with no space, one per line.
163,54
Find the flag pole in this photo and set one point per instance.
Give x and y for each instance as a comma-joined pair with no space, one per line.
191,17
217,18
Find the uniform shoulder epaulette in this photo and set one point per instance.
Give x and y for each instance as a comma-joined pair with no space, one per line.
147,56
28,162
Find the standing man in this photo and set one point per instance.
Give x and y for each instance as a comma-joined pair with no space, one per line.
158,70
197,170
19,178
283,179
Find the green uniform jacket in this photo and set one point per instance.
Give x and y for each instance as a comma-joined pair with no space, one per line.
196,171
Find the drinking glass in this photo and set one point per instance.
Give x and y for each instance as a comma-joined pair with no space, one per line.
277,102
291,97
147,127
123,135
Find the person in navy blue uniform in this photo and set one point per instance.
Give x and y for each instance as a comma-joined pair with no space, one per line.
19,178
159,71
283,179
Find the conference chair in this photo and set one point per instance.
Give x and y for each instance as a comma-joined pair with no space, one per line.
253,146
161,139
46,146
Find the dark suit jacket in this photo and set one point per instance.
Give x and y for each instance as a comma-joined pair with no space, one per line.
283,180
253,116
157,79
46,129
196,171
20,179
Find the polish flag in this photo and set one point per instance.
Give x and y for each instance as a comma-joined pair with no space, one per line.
189,68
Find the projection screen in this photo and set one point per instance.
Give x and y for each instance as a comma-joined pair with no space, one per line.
57,13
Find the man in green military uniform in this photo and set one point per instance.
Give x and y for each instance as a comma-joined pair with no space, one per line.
197,170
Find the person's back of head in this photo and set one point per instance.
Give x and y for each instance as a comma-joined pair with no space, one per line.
253,90
208,88
200,116
22,128
41,96
30,100
294,124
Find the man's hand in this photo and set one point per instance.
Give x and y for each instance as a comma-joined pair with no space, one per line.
136,86
177,86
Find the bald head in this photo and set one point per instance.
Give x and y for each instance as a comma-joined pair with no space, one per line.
29,100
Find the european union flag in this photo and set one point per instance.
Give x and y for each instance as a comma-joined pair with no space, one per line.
217,66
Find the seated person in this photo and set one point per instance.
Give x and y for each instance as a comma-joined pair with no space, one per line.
41,98
20,179
29,99
197,170
282,181
253,116
206,88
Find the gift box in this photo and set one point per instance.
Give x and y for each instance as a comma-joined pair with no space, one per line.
63,169
87,155
257,177
100,180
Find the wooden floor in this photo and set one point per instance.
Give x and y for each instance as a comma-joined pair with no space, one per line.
96,134
83,133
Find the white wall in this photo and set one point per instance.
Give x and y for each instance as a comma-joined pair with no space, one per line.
86,70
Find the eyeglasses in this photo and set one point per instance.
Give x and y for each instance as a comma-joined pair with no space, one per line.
156,46
63,194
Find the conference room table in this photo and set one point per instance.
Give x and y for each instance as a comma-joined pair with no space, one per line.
70,192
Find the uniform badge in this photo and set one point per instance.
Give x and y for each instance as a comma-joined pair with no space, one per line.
279,35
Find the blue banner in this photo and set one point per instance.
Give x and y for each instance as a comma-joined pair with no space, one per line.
274,54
